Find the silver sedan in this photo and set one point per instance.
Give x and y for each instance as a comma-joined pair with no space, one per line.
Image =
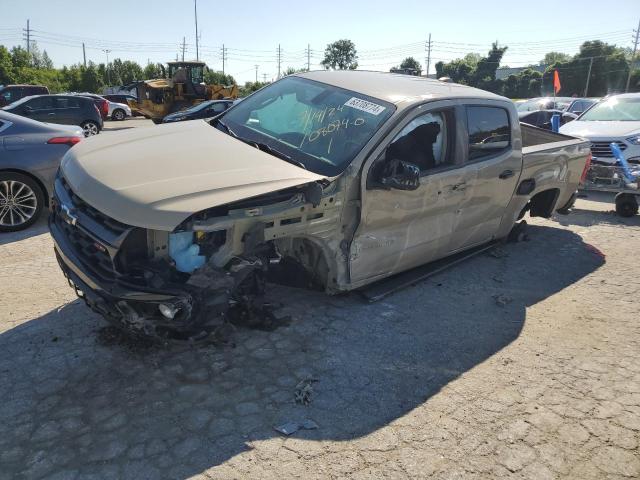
30,153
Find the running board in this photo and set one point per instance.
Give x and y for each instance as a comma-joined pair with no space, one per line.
385,287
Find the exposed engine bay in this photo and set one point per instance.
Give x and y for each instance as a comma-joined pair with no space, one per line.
215,266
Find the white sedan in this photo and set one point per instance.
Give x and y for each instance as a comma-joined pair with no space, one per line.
614,119
118,111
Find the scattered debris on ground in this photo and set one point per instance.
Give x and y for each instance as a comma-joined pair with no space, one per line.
304,390
502,300
289,428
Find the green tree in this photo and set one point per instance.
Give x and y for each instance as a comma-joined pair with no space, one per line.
552,58
484,75
20,57
152,70
472,58
340,55
249,87
212,77
7,73
292,70
410,63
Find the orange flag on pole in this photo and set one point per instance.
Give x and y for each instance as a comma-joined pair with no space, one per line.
556,82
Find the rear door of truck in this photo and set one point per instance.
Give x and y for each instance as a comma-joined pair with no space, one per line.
494,158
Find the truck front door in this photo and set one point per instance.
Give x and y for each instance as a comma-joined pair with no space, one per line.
493,151
400,229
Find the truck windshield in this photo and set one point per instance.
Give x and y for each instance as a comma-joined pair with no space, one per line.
614,109
323,127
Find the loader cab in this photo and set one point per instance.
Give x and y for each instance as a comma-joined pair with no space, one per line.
187,72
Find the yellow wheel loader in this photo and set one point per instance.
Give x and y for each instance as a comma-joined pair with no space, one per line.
182,88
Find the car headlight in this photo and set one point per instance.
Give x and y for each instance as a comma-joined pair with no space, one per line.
635,140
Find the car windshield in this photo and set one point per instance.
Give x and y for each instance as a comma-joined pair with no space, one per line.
320,126
614,109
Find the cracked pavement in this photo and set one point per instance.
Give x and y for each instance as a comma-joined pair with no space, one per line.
436,381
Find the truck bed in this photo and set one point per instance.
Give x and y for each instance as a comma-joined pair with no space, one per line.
553,160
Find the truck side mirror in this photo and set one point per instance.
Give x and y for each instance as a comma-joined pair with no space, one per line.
400,175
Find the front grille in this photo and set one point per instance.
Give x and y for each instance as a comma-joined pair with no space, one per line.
113,225
602,149
92,253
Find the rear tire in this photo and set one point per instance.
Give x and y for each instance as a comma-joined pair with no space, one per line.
21,201
626,205
90,128
157,121
118,115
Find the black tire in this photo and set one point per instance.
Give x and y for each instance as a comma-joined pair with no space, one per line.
90,128
118,115
626,205
157,121
31,201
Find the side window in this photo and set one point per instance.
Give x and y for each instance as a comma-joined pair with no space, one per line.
423,142
41,103
218,108
489,131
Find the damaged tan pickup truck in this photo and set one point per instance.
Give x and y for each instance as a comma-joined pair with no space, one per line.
334,179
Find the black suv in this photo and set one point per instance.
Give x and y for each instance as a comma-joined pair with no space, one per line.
11,93
65,109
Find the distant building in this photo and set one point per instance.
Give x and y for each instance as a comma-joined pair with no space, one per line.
502,73
406,71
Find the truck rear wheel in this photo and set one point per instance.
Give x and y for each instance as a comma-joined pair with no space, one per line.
626,205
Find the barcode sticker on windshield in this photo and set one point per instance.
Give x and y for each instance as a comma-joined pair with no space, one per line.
369,107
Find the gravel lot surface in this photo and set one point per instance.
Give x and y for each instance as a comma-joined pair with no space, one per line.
523,363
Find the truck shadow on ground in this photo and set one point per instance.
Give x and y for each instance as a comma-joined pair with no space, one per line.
587,218
71,404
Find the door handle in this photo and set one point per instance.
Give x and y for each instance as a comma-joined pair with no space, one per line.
506,174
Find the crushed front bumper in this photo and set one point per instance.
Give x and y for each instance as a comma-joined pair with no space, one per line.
125,305
95,280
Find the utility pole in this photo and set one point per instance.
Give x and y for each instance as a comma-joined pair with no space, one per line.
256,73
26,35
106,51
279,60
264,77
224,57
195,11
633,55
184,45
84,56
308,57
428,59
586,87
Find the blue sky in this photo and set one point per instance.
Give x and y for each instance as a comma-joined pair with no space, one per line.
384,31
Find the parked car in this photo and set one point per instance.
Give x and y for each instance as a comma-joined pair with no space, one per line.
101,103
12,93
64,109
345,176
124,99
206,109
30,154
544,103
581,105
118,111
542,118
615,119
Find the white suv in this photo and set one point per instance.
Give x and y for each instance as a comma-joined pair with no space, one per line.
614,119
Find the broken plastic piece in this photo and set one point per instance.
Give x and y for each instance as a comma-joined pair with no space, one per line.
184,252
292,427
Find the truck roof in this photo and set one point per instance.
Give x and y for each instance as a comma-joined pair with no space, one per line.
396,88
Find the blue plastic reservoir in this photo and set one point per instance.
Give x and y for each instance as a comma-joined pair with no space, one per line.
184,252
